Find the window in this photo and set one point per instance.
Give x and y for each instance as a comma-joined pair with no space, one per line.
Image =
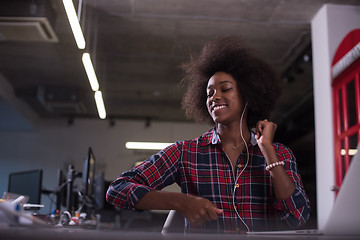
346,103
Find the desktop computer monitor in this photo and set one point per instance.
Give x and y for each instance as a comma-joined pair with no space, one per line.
88,174
27,183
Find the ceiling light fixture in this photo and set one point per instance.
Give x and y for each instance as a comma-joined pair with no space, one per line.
100,104
89,68
74,23
146,145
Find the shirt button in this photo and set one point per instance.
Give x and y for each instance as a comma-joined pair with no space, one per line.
237,229
240,166
237,185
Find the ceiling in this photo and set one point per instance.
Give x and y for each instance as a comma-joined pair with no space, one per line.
137,46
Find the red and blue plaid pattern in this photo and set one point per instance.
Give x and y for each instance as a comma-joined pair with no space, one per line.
200,167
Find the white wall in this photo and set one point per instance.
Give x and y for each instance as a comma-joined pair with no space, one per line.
328,28
56,144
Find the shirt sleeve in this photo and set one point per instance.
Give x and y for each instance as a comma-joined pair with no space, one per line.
295,210
155,173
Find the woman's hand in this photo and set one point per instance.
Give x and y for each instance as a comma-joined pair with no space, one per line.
198,210
264,135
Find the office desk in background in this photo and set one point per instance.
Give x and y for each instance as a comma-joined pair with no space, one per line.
41,233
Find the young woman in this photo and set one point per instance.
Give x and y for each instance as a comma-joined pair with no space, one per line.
232,178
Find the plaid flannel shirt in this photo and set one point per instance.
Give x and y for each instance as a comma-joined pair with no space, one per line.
201,168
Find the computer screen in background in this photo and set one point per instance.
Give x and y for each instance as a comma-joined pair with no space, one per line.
88,174
27,183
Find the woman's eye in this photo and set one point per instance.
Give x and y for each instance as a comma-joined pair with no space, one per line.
226,89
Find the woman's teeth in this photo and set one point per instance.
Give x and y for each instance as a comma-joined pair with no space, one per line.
218,107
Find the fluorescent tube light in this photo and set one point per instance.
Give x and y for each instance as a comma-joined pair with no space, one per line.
90,72
100,104
74,23
146,145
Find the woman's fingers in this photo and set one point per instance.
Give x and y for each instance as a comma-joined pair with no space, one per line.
200,210
259,128
265,131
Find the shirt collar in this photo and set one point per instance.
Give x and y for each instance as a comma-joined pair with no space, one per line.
215,138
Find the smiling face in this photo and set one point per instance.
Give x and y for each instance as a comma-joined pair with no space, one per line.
223,102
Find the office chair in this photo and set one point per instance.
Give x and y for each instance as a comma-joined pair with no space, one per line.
174,223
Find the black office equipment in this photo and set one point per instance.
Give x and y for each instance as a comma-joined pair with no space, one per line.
88,174
27,183
60,190
86,193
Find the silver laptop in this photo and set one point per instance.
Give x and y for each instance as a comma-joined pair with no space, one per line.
344,218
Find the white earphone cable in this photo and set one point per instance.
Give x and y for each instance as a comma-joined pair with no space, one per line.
237,178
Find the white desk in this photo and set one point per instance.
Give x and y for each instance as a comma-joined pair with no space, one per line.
41,233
